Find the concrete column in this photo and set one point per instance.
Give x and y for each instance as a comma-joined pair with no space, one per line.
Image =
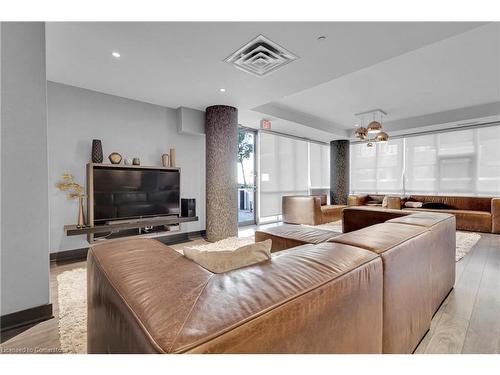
24,172
221,128
339,171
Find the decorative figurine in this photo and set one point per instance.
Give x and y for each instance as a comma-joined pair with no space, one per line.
165,159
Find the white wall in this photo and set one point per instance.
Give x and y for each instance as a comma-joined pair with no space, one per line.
132,128
24,209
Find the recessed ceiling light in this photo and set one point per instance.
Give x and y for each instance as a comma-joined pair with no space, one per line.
115,54
321,38
222,90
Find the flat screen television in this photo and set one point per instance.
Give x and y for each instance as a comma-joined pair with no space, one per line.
133,193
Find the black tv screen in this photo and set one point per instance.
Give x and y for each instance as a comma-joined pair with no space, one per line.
129,193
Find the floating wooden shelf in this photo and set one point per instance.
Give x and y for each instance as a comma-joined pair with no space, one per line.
72,230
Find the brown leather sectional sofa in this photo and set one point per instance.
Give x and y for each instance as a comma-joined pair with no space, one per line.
372,290
418,254
144,297
477,214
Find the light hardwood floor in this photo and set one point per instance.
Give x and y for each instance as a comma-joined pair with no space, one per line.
468,321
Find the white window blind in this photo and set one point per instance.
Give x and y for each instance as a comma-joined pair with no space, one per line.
390,166
363,165
421,172
319,165
283,171
377,169
488,161
464,162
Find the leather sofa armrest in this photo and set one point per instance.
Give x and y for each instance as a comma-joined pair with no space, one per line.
495,215
356,200
394,203
301,210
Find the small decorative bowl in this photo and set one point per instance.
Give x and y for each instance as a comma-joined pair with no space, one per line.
115,158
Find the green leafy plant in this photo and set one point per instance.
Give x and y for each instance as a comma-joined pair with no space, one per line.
245,149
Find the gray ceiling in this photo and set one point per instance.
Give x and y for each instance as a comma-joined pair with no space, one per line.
407,69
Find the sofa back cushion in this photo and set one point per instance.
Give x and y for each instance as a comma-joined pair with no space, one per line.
456,203
380,237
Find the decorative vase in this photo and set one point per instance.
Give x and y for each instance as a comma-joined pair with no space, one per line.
172,157
81,215
136,161
165,159
115,158
127,161
97,156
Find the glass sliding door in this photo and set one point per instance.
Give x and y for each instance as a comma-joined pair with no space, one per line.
246,176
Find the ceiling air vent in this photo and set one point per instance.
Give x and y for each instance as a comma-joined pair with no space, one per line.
261,56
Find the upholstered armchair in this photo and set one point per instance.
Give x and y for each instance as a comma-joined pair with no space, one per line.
309,210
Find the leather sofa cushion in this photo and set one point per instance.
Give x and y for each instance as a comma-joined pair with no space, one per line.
457,203
261,291
479,221
380,237
422,219
300,233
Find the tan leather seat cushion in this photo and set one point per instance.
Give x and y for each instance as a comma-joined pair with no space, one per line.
422,219
305,235
466,219
380,237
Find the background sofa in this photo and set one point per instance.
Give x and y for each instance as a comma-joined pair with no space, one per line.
479,214
309,210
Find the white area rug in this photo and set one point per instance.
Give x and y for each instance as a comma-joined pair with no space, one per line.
228,243
465,242
72,287
72,298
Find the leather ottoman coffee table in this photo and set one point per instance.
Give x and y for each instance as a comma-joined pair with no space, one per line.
290,235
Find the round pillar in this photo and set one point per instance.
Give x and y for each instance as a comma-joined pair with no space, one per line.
221,129
339,171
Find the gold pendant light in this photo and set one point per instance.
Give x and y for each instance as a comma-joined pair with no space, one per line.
374,131
374,127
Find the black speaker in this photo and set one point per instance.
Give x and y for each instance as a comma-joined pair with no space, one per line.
188,207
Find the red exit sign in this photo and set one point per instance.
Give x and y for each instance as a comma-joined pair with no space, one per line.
265,124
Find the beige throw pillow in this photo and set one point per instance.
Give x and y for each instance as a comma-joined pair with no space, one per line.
412,204
220,261
384,202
